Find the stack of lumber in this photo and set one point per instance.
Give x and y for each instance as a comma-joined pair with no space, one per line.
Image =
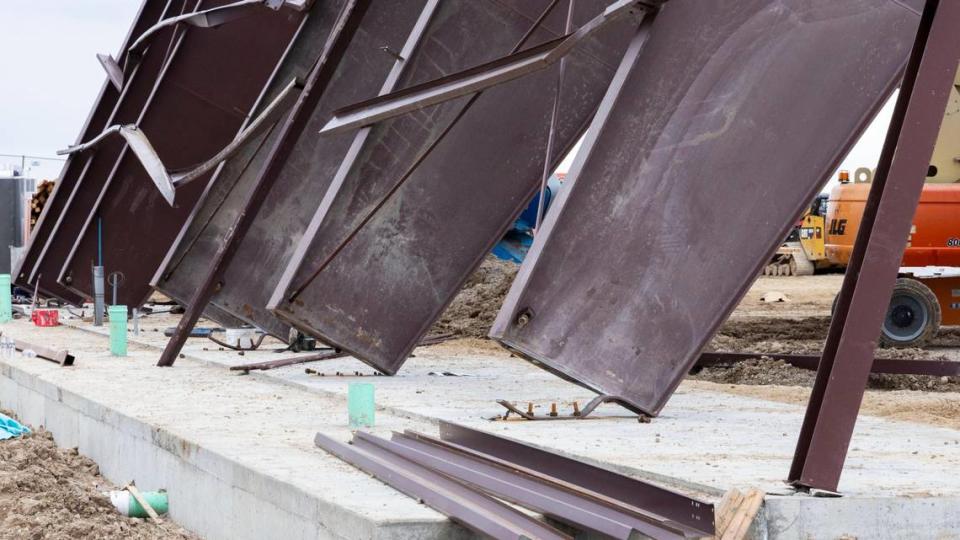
736,513
44,191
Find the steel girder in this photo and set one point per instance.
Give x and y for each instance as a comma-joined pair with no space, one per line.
423,197
113,105
698,163
207,84
242,235
888,216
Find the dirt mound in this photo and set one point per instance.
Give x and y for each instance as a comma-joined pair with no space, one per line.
757,371
472,312
767,371
53,493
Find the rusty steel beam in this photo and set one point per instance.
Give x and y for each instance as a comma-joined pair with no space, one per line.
203,97
57,356
470,508
272,186
542,493
322,73
425,196
848,353
477,79
697,164
888,366
102,114
691,513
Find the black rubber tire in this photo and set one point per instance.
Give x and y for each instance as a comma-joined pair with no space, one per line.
919,295
923,297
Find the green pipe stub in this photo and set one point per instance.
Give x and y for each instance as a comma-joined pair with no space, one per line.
118,330
6,299
360,405
128,506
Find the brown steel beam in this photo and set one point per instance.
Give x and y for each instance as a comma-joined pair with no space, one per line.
202,99
57,356
870,276
466,506
566,502
479,78
322,74
244,289
101,115
679,508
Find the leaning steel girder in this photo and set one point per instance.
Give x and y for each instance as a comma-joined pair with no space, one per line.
206,88
422,197
230,253
112,105
702,156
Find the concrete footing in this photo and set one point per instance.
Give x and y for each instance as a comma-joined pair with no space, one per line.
236,454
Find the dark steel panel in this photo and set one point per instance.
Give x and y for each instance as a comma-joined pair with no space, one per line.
202,99
663,502
870,276
468,507
380,294
101,116
691,176
297,179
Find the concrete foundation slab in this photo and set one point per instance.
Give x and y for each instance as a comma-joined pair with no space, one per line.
237,456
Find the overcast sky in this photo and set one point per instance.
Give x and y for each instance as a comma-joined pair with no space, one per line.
50,74
51,77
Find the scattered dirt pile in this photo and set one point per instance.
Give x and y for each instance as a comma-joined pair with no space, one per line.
472,312
758,371
52,493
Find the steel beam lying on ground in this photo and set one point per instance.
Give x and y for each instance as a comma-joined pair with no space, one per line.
563,501
689,512
110,105
209,83
464,505
234,248
696,166
423,197
889,366
870,276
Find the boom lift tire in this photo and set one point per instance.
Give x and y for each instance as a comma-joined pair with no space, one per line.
913,317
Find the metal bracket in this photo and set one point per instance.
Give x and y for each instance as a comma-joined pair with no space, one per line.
474,80
167,180
577,414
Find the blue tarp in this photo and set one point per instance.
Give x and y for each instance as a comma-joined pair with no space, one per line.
11,428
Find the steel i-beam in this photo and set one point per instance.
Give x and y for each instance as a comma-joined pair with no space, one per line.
870,275
699,161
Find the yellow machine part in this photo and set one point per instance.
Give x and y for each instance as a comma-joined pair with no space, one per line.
813,238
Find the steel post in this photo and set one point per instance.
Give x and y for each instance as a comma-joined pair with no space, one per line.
870,276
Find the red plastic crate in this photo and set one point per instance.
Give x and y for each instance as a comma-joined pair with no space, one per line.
46,317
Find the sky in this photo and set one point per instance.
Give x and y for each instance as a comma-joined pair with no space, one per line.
51,78
50,74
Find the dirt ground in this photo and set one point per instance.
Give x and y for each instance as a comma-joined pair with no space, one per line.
472,312
53,493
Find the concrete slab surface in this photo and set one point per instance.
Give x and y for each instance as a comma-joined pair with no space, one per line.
236,453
